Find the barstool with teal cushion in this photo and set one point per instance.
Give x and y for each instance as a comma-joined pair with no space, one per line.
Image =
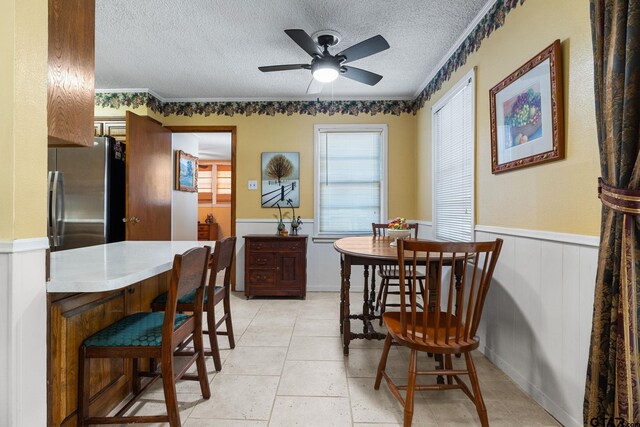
221,260
155,335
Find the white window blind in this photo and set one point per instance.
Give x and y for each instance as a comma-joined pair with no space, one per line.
223,183
453,167
205,182
214,183
350,179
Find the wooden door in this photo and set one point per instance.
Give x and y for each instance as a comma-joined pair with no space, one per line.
149,163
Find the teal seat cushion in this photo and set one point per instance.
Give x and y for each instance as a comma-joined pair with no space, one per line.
139,329
189,298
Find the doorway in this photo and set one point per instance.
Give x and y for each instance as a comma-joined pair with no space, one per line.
217,152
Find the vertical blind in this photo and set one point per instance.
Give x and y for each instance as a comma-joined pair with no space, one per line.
350,181
453,174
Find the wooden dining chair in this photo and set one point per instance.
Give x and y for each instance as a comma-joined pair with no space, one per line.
152,335
389,274
450,326
221,260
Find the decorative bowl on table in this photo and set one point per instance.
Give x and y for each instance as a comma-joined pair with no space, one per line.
396,234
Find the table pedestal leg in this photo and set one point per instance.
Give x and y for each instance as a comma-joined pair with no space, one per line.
346,326
365,301
341,293
372,297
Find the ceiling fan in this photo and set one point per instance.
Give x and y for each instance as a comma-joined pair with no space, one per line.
326,67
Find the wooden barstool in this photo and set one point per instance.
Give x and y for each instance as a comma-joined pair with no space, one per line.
153,335
221,259
451,326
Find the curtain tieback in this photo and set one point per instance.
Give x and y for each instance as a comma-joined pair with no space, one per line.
620,200
626,202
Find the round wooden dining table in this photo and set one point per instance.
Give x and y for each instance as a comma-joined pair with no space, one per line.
366,251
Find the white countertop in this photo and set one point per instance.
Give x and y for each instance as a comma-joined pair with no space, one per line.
113,266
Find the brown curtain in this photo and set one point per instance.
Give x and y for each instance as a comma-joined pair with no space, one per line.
612,389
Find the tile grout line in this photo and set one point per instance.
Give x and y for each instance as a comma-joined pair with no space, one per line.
275,397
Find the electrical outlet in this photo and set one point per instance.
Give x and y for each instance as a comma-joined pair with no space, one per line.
252,185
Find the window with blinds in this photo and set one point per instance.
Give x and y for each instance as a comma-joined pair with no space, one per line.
205,181
223,183
350,178
214,183
453,122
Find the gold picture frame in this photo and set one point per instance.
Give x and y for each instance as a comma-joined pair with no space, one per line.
186,172
527,123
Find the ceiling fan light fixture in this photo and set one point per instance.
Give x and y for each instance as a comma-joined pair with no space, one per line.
325,74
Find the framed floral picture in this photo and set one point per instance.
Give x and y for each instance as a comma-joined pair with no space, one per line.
280,174
527,126
186,172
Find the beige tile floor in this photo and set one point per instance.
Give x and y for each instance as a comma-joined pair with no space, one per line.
288,370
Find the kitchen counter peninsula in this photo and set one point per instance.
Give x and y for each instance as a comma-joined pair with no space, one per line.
91,288
113,266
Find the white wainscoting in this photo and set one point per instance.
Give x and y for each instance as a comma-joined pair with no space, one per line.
537,319
23,333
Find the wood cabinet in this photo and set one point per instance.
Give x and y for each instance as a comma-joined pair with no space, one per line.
74,317
71,63
207,231
275,265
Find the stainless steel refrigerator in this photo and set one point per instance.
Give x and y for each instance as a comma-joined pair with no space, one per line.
86,195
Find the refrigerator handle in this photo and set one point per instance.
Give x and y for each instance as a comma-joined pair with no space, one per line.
56,208
51,216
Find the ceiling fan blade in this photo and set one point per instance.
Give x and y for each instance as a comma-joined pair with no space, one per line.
304,41
362,76
365,48
315,87
284,67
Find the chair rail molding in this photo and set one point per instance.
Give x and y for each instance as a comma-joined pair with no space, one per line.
23,245
552,236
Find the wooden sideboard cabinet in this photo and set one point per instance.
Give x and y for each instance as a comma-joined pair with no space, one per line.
275,265
207,231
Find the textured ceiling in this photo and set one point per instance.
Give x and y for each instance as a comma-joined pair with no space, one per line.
211,49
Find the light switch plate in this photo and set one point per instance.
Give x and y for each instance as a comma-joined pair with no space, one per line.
252,185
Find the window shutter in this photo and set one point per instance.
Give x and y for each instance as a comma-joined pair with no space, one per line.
453,166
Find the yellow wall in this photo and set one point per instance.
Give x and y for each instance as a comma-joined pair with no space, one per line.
23,118
257,134
558,196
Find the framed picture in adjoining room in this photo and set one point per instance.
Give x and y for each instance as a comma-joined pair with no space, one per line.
186,172
527,124
280,174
